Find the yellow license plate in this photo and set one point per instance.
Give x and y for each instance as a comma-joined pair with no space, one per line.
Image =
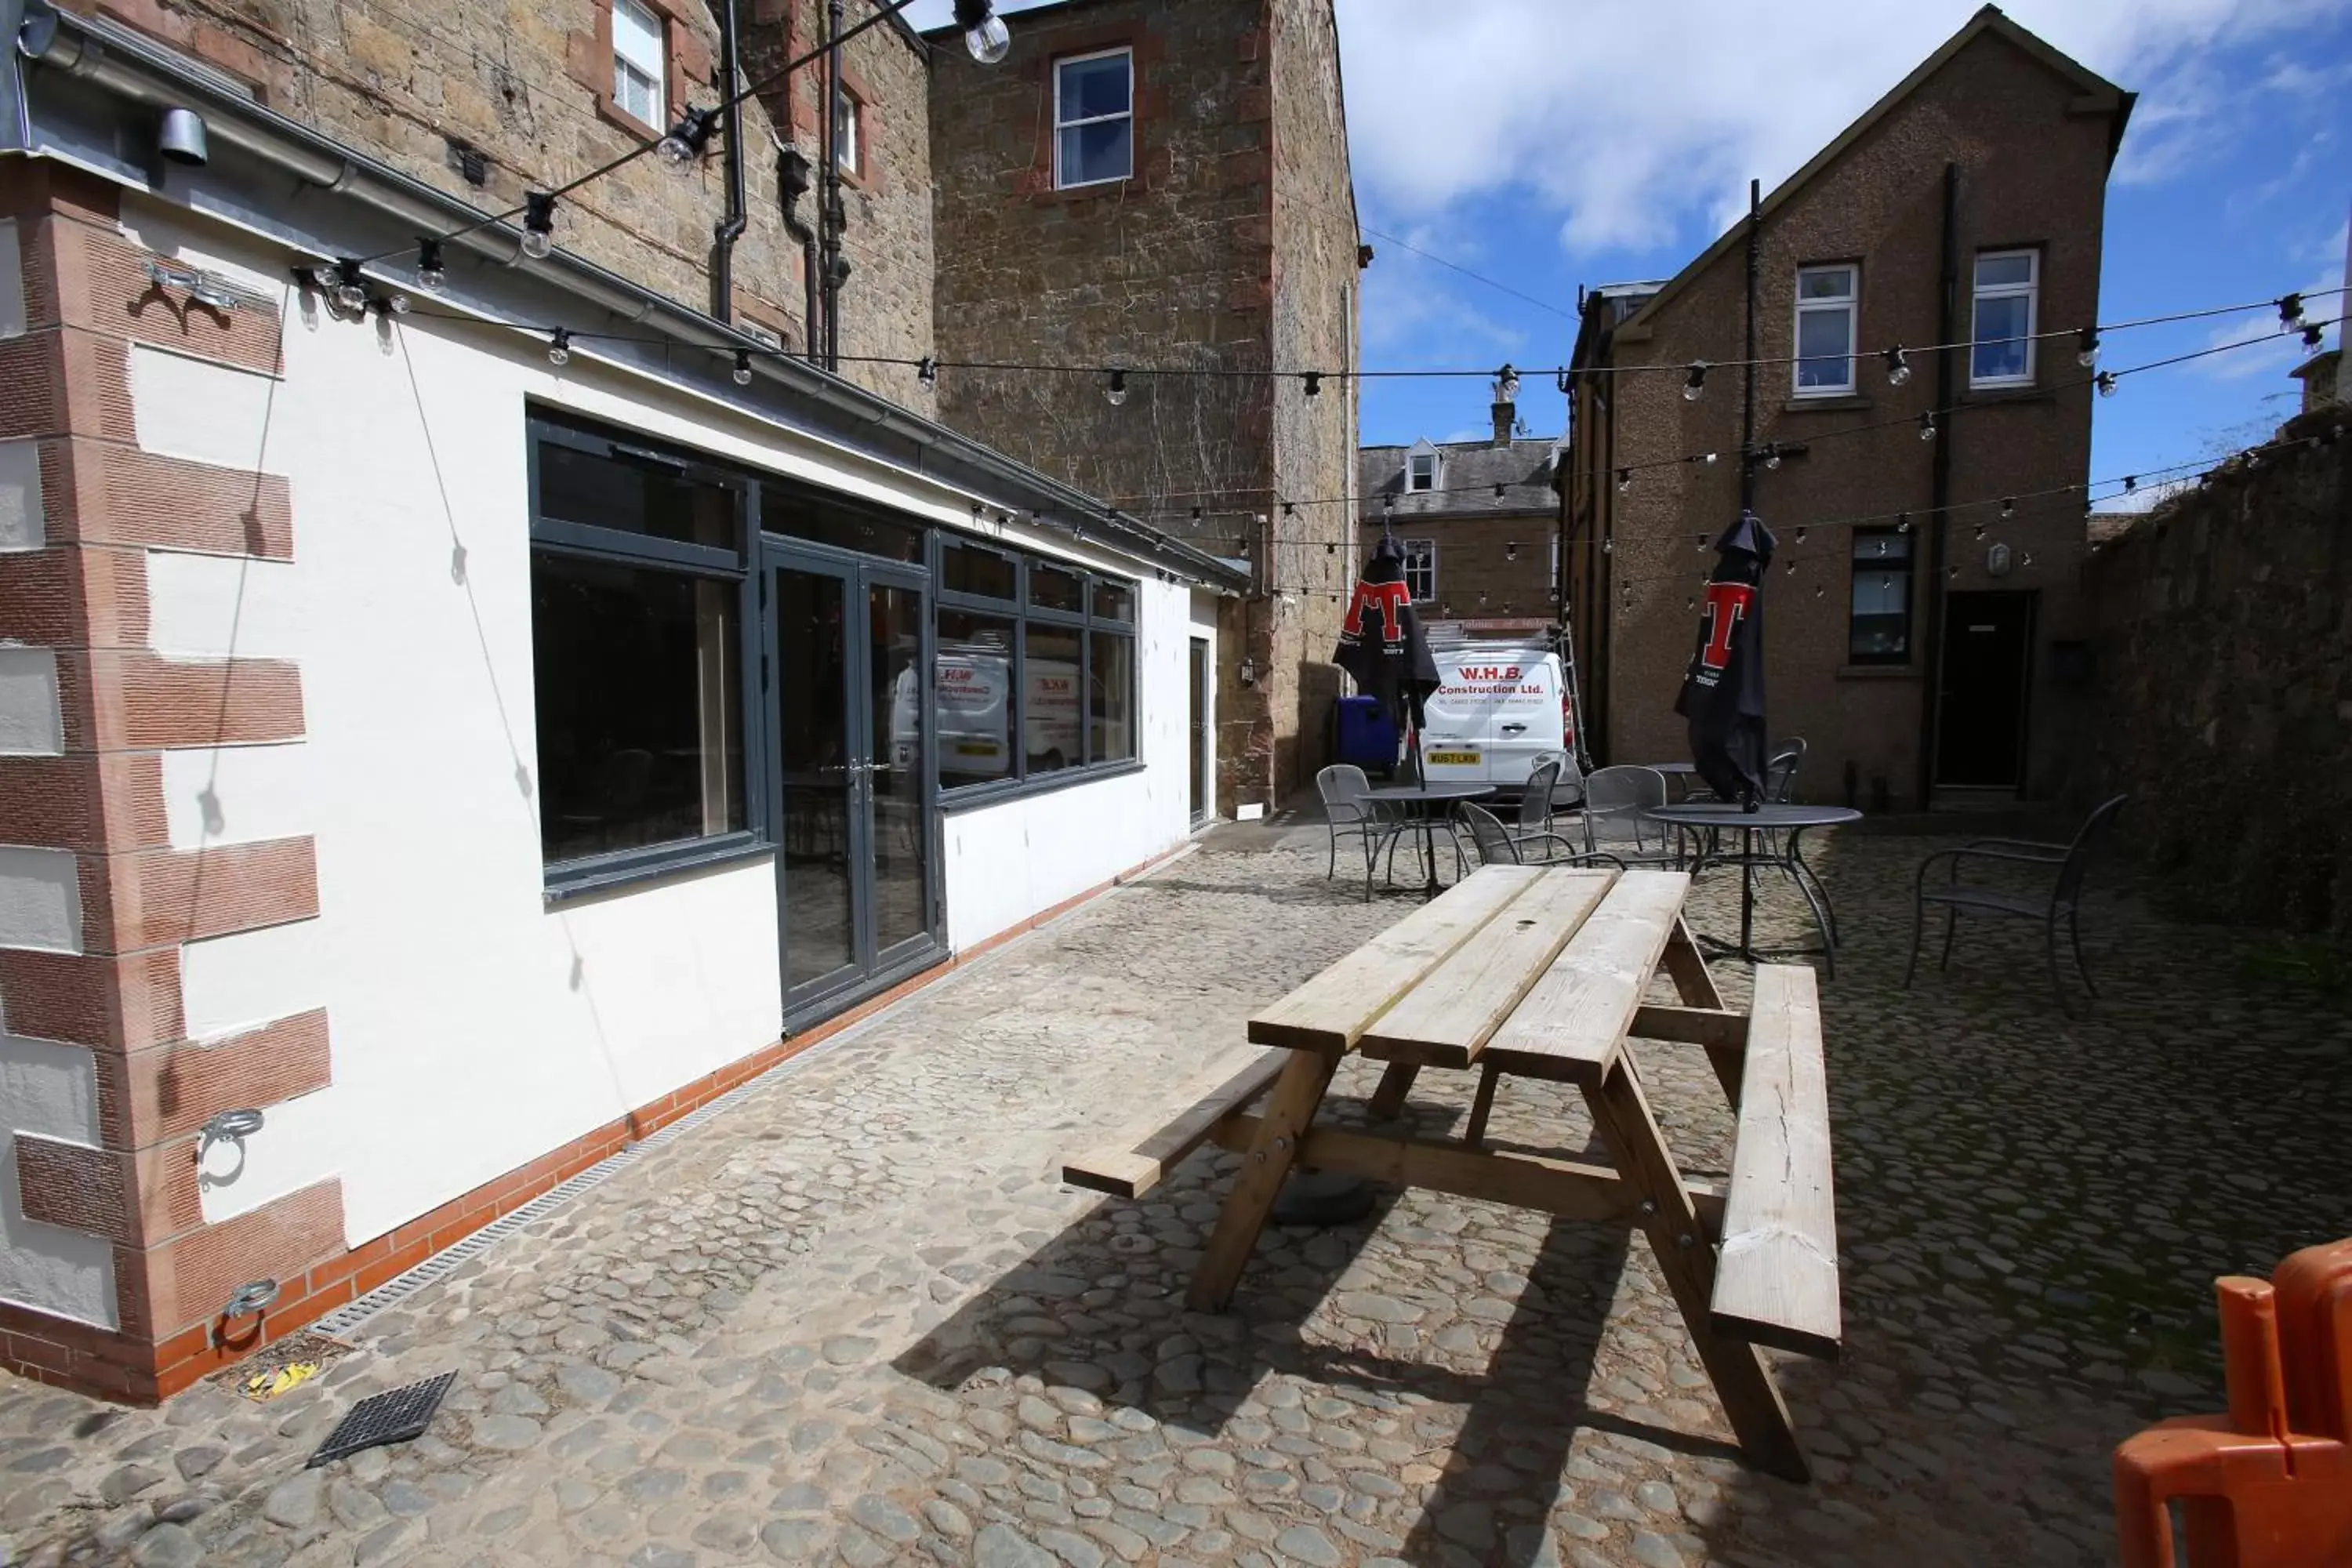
1455,758
974,749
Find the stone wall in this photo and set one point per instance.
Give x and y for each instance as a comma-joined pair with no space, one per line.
521,94
1224,252
2224,686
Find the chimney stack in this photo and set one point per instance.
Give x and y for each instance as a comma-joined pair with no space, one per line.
1505,408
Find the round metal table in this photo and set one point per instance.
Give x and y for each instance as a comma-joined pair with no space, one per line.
1426,803
1683,775
1710,820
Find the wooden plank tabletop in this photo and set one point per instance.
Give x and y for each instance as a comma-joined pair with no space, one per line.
1572,1022
1447,1018
1331,1012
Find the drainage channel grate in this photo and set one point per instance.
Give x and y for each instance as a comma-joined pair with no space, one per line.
344,1319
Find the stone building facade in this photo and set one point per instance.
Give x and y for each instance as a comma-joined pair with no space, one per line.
1232,247
1480,521
1979,179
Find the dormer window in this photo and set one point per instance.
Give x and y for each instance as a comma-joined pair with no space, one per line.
1421,472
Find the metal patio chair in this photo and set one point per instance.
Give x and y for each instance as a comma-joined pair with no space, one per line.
1498,844
1614,801
1351,811
2068,863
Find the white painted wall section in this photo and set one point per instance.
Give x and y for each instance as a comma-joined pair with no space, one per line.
237,795
50,1090
207,412
32,724
296,1147
225,606
40,899
23,521
232,983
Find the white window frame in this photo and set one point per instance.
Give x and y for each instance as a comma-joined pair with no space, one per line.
626,57
1061,180
1849,305
849,133
1413,462
1421,555
2029,291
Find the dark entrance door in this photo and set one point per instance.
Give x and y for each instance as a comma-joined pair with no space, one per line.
1200,726
1988,663
851,772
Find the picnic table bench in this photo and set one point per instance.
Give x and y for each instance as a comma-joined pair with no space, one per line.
1534,971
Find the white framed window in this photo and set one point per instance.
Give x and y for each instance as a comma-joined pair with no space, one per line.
1093,118
1421,471
640,61
2008,308
848,133
1420,569
1829,300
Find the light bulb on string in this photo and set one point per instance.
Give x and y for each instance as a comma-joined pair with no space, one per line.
349,293
986,37
2313,335
682,148
2086,348
2026,559
1927,424
1510,550
2008,508
395,303
2131,483
1800,536
1624,481
1772,455
537,224
1607,547
2290,309
1117,391
1702,544
742,372
1898,366
1196,516
926,371
1902,523
1313,382
1980,531
1695,383
2105,382
431,276
1710,459
559,346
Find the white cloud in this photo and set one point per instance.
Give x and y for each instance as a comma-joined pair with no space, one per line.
1629,129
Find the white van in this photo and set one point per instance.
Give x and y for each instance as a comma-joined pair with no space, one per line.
1497,706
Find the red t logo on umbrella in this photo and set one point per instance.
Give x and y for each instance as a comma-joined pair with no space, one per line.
1389,598
1727,607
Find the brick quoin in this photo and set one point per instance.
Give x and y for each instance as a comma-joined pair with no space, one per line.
85,800
134,901
169,1091
122,699
131,1199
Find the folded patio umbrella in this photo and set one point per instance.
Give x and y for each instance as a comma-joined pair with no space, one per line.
1723,689
1381,644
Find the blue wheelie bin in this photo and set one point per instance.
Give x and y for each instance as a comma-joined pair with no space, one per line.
1368,737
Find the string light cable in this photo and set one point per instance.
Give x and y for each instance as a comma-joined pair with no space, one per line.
986,37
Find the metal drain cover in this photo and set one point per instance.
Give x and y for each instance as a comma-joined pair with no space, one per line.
395,1417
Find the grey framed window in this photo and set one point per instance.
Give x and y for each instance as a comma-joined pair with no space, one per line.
1036,670
2007,301
1829,300
642,620
1880,631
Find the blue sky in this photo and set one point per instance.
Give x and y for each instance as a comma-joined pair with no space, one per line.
1542,145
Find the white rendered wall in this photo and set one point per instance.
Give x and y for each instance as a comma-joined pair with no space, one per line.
50,1090
474,1026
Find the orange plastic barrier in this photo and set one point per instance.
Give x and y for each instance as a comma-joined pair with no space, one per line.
2269,1484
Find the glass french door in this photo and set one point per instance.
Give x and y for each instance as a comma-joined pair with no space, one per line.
849,647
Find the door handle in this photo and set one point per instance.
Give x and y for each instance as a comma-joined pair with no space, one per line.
1513,729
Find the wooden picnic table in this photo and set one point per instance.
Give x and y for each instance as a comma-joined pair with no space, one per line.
1535,972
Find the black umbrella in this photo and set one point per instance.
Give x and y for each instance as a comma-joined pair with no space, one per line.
1722,690
1381,644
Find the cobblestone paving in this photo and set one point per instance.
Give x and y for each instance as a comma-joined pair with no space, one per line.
857,1318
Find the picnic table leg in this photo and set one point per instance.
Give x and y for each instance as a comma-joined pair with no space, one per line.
1481,1107
1750,1399
1289,1108
1396,1082
1686,967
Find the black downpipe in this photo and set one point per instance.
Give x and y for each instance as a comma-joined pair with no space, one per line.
730,228
1748,371
829,212
1940,491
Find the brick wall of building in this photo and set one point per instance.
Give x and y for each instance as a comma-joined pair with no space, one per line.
1487,567
1197,262
2031,172
2223,702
